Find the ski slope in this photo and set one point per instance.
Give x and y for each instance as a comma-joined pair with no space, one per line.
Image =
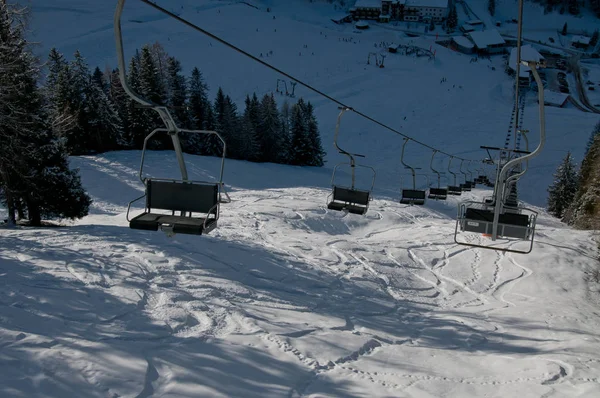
289,299
286,298
472,107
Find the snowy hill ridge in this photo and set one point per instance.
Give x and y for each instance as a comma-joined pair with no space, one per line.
287,298
450,103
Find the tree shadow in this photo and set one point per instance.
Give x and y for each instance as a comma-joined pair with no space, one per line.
133,311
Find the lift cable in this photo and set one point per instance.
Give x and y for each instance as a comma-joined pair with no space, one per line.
308,86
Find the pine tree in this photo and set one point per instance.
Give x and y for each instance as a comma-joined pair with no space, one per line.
58,93
312,131
452,18
120,100
152,88
177,100
492,7
36,173
100,80
199,105
564,29
595,132
285,116
595,6
227,124
562,192
269,128
594,39
137,126
573,7
104,124
300,151
251,146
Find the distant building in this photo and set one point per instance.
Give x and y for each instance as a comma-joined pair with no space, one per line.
582,42
553,98
426,10
366,9
462,44
528,53
488,41
401,10
340,19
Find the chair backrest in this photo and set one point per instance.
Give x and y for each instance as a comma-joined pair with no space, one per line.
351,195
520,220
413,194
181,196
438,191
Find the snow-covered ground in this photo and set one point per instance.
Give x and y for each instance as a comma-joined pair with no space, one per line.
286,298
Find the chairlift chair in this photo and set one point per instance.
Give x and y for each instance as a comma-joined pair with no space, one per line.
437,193
412,196
350,199
493,219
472,181
197,202
453,189
466,186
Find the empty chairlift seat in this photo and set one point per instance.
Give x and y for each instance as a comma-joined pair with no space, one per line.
454,190
179,196
438,193
510,225
356,201
413,197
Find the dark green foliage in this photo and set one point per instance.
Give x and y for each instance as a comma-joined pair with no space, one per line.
562,192
452,21
34,173
492,7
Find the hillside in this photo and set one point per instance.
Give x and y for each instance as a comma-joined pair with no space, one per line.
471,108
287,298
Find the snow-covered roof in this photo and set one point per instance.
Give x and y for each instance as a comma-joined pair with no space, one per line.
427,3
580,39
474,22
528,53
367,4
362,24
486,38
554,98
462,41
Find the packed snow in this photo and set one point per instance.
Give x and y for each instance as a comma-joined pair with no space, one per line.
287,298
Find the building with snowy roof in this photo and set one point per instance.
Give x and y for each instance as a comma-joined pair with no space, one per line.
462,44
582,42
402,10
366,9
528,53
488,41
553,98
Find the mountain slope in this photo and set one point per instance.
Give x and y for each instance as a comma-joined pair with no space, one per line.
287,298
470,108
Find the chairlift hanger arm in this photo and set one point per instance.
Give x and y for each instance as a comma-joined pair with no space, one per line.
337,133
163,112
511,163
